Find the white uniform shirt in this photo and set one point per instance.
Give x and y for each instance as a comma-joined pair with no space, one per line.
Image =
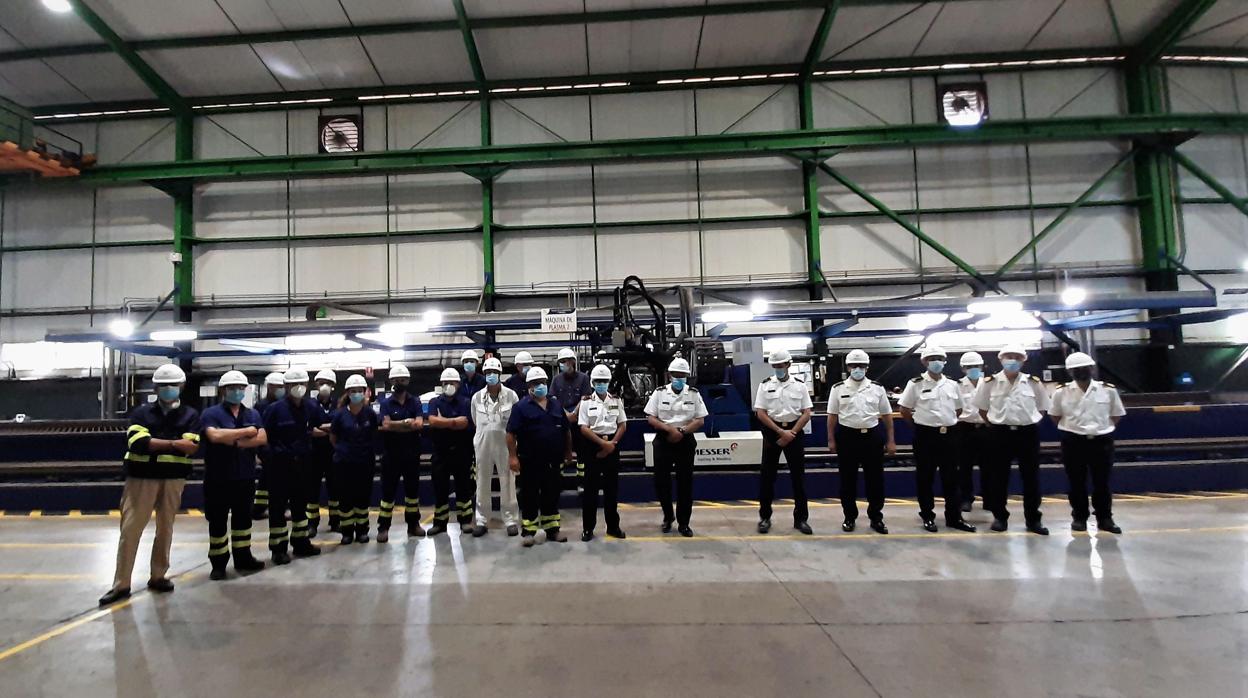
858,404
603,415
1015,404
676,409
1087,414
783,400
935,403
970,413
490,414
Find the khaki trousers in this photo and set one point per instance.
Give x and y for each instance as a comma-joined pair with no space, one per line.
139,498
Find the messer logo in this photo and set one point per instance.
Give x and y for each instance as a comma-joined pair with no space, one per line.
725,451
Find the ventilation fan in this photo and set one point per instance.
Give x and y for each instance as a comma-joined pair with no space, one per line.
963,105
341,134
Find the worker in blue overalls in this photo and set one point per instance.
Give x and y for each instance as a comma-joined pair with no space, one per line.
402,417
451,431
353,431
539,442
232,432
288,425
322,462
471,379
274,390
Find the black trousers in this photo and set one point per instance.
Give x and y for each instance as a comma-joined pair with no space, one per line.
454,461
355,490
584,450
795,456
287,488
540,483
261,500
226,502
601,473
861,449
1080,456
937,449
321,468
396,465
1010,443
679,457
973,447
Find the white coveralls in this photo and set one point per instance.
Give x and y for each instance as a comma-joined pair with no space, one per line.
490,416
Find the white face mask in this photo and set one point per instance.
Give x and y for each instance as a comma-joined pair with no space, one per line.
449,390
324,390
299,391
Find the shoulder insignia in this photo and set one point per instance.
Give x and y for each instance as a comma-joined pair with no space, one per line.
837,385
691,388
917,379
1061,385
799,380
987,379
1109,385
1034,378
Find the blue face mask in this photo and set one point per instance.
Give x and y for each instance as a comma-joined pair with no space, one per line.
279,393
539,390
975,373
235,396
678,384
470,368
491,379
168,393
356,398
568,367
936,366
1012,365
781,373
600,388
857,373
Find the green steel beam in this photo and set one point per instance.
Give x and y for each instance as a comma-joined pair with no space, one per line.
820,38
1153,180
470,45
1168,31
487,241
805,143
1061,217
168,96
184,222
1210,181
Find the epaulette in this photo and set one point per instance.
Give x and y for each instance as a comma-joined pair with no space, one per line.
1034,378
987,379
917,379
1109,385
690,387
1061,385
837,385
799,380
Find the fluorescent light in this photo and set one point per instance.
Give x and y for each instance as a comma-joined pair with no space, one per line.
1237,327
403,327
961,317
992,307
1020,320
58,5
773,344
121,328
320,342
1245,265
1074,295
759,306
173,335
391,340
917,322
717,316
981,338
432,318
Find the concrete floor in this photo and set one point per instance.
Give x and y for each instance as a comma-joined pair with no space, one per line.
1160,611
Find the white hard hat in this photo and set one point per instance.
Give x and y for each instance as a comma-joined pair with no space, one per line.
600,373
469,355
327,375
274,378
678,366
1078,360
355,380
566,353
523,358
1012,349
931,350
296,376
232,378
169,374
493,364
972,358
537,373
449,375
857,356
399,371
780,356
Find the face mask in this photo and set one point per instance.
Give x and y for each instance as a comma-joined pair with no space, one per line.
1082,374
356,398
168,393
400,387
781,373
600,388
491,379
279,393
235,396
857,373
449,390
324,390
470,368
522,370
936,366
539,391
299,391
1012,365
568,367
678,384
974,373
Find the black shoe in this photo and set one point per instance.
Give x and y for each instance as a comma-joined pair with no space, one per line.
306,549
764,525
929,525
1108,526
247,564
1037,529
803,527
217,574
960,525
348,537
616,533
361,538
686,531
966,506
478,531
587,536
848,525
553,535
879,527
161,586
513,531
281,557
1079,525
438,527
667,526
414,530
999,525
113,596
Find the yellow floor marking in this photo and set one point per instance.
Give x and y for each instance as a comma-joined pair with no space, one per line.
866,536
75,514
62,629
1176,408
35,514
36,577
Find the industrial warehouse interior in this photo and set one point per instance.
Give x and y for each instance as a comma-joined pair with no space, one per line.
702,347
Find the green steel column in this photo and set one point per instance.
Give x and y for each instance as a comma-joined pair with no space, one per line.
810,197
184,222
1154,184
487,211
